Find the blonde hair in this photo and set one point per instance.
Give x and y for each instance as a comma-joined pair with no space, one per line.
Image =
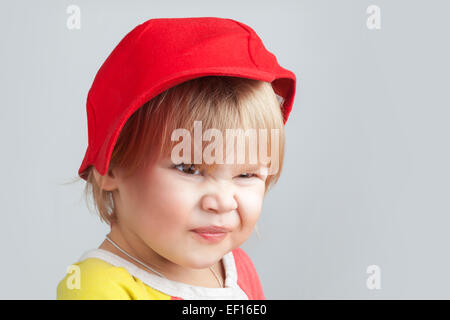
220,102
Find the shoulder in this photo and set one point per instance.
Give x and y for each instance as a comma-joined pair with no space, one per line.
94,278
247,276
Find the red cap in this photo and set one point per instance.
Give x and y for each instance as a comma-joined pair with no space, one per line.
161,53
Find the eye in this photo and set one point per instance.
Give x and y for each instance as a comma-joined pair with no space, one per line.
188,167
247,175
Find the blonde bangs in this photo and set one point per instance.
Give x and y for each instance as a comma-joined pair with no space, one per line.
222,103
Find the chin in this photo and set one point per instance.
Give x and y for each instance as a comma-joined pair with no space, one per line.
201,263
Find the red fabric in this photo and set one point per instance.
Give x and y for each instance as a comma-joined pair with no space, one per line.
247,277
161,53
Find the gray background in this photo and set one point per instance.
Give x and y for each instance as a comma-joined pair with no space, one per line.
366,174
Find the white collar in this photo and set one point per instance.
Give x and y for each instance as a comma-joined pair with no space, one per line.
185,291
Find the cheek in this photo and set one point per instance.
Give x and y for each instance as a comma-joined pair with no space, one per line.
162,205
250,203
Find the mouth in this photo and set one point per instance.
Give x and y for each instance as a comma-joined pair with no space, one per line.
211,229
211,233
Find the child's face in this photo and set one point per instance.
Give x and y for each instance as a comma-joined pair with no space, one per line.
161,204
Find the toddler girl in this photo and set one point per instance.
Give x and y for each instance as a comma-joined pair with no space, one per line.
160,108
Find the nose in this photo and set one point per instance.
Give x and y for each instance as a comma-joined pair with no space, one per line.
220,199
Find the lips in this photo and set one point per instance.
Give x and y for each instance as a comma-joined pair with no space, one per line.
211,234
211,230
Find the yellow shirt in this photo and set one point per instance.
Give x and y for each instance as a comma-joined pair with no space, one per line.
99,280
102,275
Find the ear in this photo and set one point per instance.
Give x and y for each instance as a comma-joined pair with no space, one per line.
108,182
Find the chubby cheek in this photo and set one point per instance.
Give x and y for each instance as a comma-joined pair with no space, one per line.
163,208
250,205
